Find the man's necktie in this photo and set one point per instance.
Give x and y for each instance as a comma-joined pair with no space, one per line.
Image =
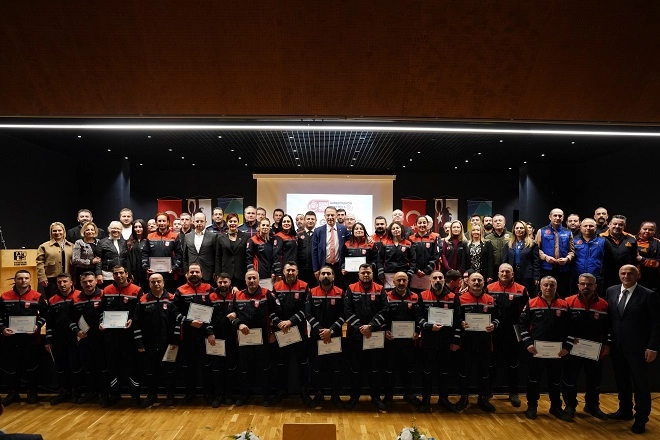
622,302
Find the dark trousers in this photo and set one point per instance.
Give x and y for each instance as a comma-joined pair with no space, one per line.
192,361
506,350
327,365
224,370
371,360
286,358
631,375
67,365
400,355
254,368
155,371
593,371
95,369
20,354
307,275
436,365
564,286
121,356
479,359
553,371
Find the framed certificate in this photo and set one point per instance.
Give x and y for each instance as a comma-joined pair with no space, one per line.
170,353
422,283
586,349
252,338
22,324
288,338
477,322
377,340
547,349
216,350
438,315
334,346
403,329
352,264
199,312
115,319
160,264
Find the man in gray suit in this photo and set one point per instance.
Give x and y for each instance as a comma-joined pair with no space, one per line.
199,248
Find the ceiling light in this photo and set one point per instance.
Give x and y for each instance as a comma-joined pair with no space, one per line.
404,166
525,162
109,149
298,164
126,157
193,164
297,158
455,168
141,164
170,149
79,136
354,158
357,151
231,149
182,157
290,137
361,138
419,152
411,160
542,154
478,154
295,151
149,136
501,140
352,165
466,161
572,143
219,137
509,167
239,157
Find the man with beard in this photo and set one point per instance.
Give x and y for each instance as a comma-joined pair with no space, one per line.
488,224
588,322
324,309
223,368
556,251
300,222
601,217
305,250
498,237
624,249
84,216
590,254
365,308
380,232
292,294
573,225
436,341
341,216
191,358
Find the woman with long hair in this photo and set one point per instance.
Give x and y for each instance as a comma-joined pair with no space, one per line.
453,248
396,254
134,255
230,252
357,246
479,254
522,253
260,256
285,243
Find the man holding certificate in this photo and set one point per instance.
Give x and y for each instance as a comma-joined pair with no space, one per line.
324,309
589,327
479,317
544,331
192,302
257,312
163,252
22,314
403,325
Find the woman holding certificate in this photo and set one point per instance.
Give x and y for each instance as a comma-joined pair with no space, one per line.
286,246
357,250
53,258
396,254
260,255
522,253
163,253
113,250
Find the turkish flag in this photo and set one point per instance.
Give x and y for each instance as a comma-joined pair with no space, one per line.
172,207
412,208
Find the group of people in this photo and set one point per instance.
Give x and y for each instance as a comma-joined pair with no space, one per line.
289,295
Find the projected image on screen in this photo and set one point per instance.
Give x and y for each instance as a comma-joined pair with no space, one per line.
361,205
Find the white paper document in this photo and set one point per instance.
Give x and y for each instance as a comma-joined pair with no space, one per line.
547,349
477,322
266,283
22,324
160,264
170,353
422,283
199,312
252,338
389,281
586,349
115,319
216,350
377,340
334,346
403,329
288,338
438,315
352,264
82,324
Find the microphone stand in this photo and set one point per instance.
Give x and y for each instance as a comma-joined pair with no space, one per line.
2,239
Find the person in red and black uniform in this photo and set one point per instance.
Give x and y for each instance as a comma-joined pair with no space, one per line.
357,246
223,368
648,256
191,360
305,267
427,251
453,249
511,298
61,341
475,346
545,318
400,353
396,254
251,224
291,294
588,321
287,244
365,308
163,243
21,349
254,308
260,256
624,249
437,338
122,295
155,327
324,310
380,232
87,311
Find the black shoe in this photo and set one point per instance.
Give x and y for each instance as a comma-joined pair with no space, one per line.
169,401
149,401
350,404
241,401
267,402
560,414
530,412
215,403
188,398
412,399
462,403
229,400
484,403
32,397
86,398
621,415
317,401
63,396
111,401
445,403
135,402
596,412
638,428
388,400
104,401
425,407
515,400
75,395
336,401
304,395
208,399
379,404
11,398
570,410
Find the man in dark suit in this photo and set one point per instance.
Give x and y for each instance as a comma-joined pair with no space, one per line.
327,243
634,313
305,268
199,248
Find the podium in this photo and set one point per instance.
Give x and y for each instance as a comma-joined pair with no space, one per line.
13,260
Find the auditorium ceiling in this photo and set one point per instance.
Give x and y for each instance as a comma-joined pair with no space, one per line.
330,84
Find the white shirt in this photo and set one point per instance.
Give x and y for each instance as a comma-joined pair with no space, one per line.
199,237
126,232
630,291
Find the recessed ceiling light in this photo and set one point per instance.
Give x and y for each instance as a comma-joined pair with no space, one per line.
298,164
542,154
109,149
509,167
170,149
126,157
290,137
149,136
354,158
478,154
295,151
525,162
466,161
501,140
411,160
141,164
231,149
219,137
361,138
357,151
404,166
297,158
455,168
572,143
79,136
239,157
352,165
419,152
182,157
193,164
246,165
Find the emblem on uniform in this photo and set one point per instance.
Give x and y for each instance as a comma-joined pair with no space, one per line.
373,297
296,295
27,305
274,242
507,235
364,252
558,312
510,296
96,305
125,300
410,305
547,232
332,301
596,315
164,306
403,248
428,245
167,243
256,303
579,242
446,306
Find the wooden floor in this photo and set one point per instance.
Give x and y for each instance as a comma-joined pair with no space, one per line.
69,421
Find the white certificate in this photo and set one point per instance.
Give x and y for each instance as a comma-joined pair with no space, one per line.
389,281
421,283
160,264
352,264
115,319
82,324
438,315
586,349
334,346
170,353
516,329
288,338
22,324
253,338
477,321
403,329
547,349
216,350
199,312
266,283
377,340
